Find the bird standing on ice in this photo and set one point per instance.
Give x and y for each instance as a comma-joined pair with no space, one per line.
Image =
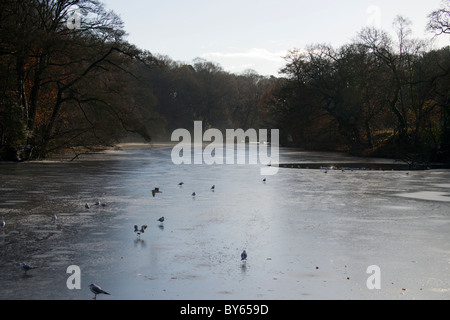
97,290
25,267
244,256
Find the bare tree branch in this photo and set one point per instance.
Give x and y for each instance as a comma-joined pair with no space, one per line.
439,20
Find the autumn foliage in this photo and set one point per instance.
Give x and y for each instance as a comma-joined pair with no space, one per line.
66,88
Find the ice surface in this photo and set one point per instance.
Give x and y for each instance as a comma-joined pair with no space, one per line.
308,235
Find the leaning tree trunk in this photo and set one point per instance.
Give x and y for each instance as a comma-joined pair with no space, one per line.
60,100
46,137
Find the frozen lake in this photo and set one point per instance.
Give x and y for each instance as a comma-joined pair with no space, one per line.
308,234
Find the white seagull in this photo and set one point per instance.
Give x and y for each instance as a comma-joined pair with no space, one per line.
97,290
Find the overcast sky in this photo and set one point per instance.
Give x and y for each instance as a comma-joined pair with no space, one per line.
256,34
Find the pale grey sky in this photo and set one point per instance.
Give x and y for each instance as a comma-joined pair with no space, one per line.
256,34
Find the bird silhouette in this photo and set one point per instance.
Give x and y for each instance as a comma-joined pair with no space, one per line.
244,256
96,290
213,188
25,267
54,217
140,231
155,191
2,223
161,219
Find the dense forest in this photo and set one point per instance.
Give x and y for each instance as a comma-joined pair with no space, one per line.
78,87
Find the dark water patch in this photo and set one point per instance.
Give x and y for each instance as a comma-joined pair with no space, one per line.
359,166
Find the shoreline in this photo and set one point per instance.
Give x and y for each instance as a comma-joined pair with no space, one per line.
356,162
357,166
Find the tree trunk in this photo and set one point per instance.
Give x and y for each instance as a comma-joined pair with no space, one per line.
49,129
22,97
2,134
369,135
403,130
35,94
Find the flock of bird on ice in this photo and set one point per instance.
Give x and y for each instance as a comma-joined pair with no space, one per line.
96,289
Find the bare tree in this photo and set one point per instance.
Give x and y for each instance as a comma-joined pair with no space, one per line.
52,67
439,20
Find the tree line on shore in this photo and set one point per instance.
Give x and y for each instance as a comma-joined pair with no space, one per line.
72,86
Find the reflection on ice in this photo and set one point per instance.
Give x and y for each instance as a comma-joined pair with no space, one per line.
310,235
427,195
